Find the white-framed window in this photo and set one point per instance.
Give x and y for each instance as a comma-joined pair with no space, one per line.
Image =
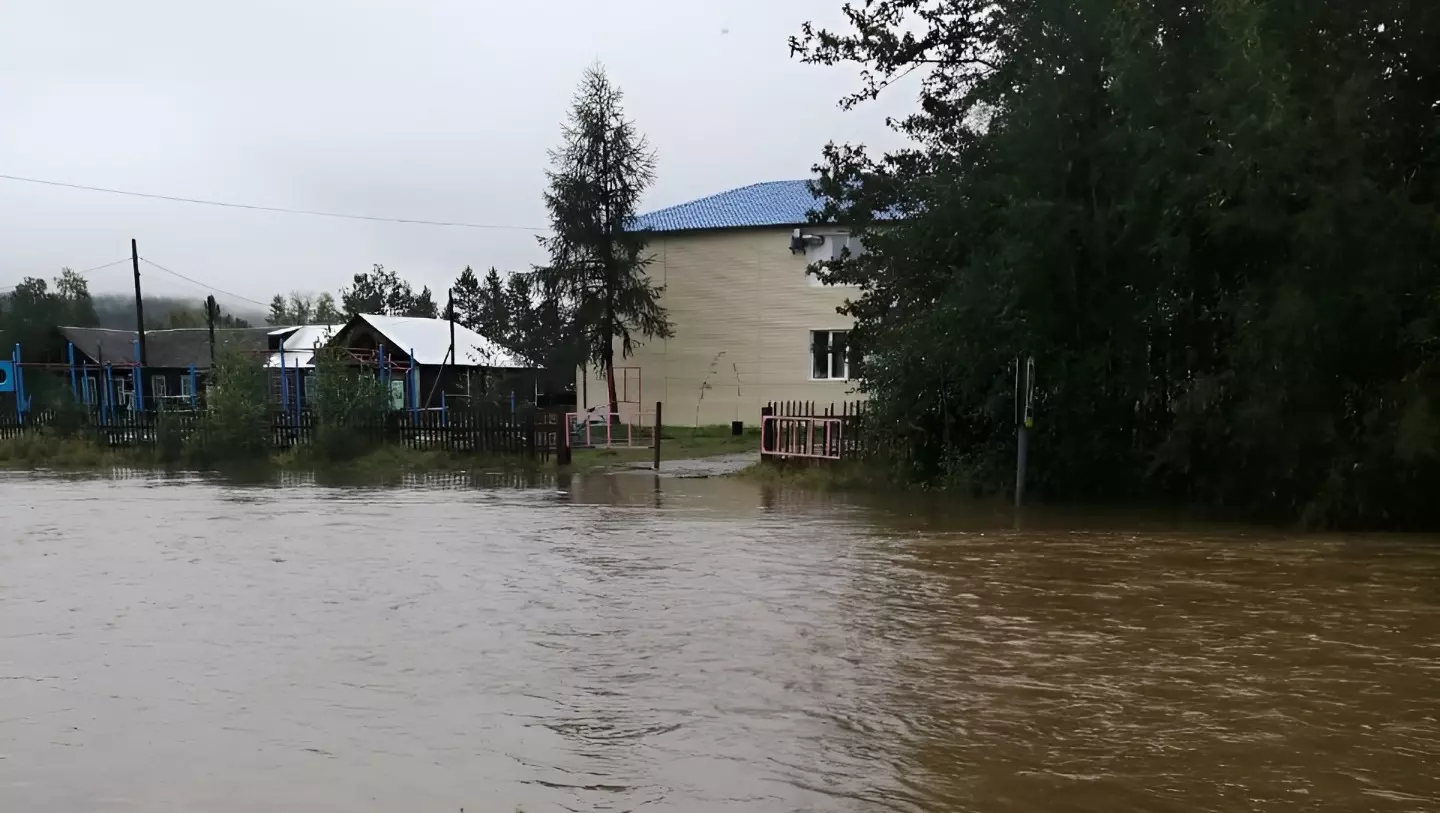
157,386
832,247
187,386
829,355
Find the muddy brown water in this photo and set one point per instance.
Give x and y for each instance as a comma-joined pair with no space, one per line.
621,643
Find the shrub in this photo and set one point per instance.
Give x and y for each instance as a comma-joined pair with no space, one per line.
349,404
236,425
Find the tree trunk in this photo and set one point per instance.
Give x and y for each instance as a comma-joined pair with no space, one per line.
610,382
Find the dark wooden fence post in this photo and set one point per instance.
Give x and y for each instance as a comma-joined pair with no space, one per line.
658,404
530,434
767,429
562,442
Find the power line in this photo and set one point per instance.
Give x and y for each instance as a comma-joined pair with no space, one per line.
280,209
79,273
203,285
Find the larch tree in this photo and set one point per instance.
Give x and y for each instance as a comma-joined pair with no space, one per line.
597,270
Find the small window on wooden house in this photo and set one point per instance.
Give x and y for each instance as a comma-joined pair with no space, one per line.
830,355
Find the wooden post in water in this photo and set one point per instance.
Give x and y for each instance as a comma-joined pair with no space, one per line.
562,442
1025,418
658,404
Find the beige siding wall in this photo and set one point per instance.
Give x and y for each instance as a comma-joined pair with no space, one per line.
743,309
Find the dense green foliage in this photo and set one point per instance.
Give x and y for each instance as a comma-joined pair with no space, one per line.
30,311
596,274
236,422
381,291
1211,222
528,322
348,404
303,309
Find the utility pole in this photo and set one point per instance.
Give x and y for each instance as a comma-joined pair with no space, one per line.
139,303
450,314
139,323
210,312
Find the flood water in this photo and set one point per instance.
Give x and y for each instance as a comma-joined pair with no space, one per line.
621,643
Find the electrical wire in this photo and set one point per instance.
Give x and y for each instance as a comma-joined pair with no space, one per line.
80,273
197,282
280,209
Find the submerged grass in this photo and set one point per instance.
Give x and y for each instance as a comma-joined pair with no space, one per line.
820,476
47,451
41,451
676,443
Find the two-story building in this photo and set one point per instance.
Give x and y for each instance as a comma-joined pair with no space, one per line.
750,326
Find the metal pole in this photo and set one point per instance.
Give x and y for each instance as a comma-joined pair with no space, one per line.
19,395
70,357
413,375
284,385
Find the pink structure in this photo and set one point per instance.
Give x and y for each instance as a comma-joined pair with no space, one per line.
814,438
583,431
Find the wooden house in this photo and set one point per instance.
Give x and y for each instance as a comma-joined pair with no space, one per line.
107,362
434,362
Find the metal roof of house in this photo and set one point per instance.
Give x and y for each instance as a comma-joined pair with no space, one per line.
173,348
427,341
301,343
773,203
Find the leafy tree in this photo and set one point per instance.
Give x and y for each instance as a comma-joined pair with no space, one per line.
423,305
381,291
194,317
236,425
32,310
279,311
325,311
75,305
1210,222
302,308
348,406
597,263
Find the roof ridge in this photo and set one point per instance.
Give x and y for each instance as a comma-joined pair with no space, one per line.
722,193
763,204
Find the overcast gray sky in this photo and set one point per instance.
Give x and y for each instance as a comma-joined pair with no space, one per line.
433,109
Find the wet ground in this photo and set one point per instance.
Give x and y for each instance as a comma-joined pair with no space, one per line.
716,466
637,643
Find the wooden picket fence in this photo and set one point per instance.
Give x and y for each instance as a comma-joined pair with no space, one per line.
527,433
805,430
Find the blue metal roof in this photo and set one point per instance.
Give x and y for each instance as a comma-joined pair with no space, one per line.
774,203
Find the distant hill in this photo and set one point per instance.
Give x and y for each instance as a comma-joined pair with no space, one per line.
117,311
